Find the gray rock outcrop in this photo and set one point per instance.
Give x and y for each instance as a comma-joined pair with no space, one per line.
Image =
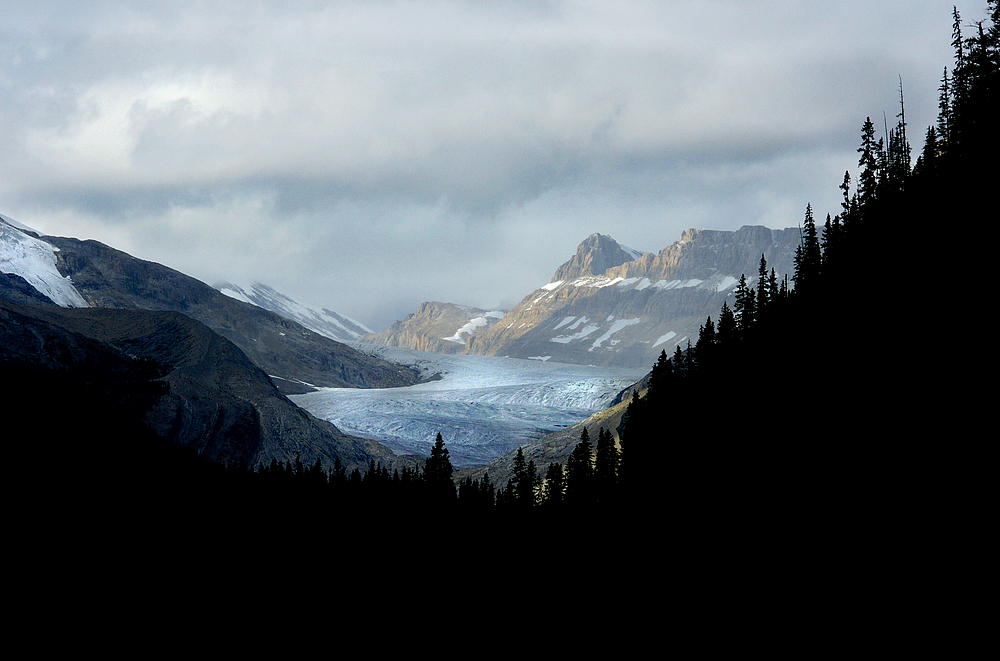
594,256
437,327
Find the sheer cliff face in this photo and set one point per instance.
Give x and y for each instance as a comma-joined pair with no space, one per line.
628,313
437,327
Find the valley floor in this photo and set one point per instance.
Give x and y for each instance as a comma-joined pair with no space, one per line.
483,406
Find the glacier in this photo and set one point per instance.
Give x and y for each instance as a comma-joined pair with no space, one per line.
35,261
483,406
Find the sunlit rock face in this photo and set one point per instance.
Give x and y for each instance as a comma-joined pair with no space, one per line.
628,313
594,256
437,327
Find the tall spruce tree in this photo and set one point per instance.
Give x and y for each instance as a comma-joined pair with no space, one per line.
704,350
606,466
808,255
868,164
726,332
555,487
580,473
744,307
438,473
763,295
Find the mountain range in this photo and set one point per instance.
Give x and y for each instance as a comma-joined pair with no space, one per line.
225,361
610,305
231,353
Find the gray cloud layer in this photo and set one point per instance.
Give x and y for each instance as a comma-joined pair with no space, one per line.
366,156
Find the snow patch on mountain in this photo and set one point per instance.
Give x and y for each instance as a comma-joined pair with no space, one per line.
726,283
319,320
563,322
232,292
634,254
35,261
663,338
469,329
615,327
637,283
582,333
677,284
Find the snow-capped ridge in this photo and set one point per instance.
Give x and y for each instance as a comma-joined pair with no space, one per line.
13,223
35,261
319,320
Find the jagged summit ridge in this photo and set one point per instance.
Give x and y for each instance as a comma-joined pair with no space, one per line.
625,315
595,255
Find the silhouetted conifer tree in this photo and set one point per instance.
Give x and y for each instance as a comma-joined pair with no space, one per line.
438,473
606,466
555,486
808,255
580,473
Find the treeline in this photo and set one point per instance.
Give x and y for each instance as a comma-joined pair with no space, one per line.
591,478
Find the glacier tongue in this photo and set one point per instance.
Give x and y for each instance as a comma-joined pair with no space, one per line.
483,406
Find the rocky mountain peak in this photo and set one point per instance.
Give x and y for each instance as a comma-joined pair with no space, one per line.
597,254
627,313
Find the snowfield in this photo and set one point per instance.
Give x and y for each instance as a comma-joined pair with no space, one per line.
35,261
483,406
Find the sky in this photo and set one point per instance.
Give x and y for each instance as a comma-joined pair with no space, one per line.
367,156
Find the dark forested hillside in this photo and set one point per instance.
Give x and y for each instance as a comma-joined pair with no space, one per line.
813,423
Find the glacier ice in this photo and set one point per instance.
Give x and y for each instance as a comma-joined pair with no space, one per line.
483,406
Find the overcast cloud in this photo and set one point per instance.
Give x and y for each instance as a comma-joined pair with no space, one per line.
366,156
